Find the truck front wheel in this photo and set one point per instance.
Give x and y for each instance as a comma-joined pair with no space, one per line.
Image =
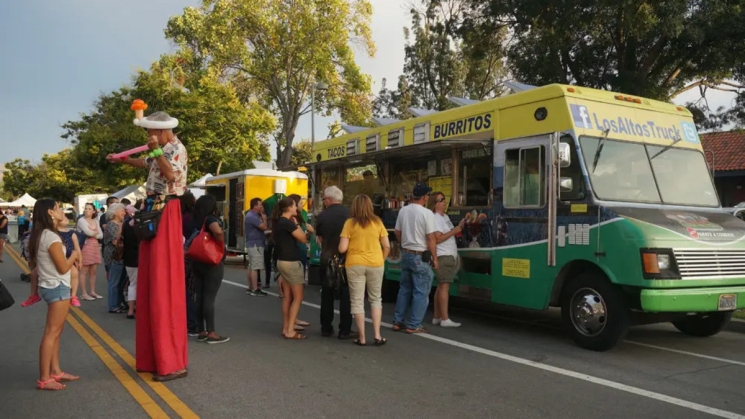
704,324
595,312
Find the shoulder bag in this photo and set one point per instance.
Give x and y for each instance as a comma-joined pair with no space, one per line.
205,249
6,300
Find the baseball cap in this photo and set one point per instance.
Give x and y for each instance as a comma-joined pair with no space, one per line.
421,190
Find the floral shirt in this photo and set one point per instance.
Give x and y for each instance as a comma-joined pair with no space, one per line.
175,153
111,232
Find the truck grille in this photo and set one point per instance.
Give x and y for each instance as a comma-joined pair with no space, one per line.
704,264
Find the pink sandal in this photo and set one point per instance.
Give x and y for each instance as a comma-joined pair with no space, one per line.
46,385
31,300
62,377
75,302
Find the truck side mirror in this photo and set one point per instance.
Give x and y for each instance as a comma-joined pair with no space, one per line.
565,159
566,184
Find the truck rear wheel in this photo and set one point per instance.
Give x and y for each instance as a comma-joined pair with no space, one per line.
705,324
595,312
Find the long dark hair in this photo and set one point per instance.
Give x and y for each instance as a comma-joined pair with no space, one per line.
42,221
206,205
187,202
279,208
295,197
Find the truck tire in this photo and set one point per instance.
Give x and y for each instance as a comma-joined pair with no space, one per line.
705,324
595,312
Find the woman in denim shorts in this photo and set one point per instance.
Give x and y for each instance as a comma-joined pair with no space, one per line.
47,256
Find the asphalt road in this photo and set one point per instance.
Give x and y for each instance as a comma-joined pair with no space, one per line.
504,364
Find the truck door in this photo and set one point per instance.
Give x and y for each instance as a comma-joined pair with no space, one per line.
524,169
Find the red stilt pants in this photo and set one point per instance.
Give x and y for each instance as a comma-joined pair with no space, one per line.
161,340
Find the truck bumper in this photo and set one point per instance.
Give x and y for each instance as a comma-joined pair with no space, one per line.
689,299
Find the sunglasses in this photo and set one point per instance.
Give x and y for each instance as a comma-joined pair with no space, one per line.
440,200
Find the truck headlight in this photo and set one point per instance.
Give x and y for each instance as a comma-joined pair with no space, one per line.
659,264
663,262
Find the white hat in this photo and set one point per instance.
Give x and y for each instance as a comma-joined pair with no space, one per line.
158,120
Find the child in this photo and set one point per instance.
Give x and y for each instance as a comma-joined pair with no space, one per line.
70,240
47,259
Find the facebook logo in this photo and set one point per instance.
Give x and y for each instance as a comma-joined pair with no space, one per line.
689,132
581,116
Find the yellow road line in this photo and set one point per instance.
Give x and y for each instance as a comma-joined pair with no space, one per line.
129,383
160,389
147,403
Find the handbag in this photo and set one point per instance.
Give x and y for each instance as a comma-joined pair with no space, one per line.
336,272
118,251
6,300
205,249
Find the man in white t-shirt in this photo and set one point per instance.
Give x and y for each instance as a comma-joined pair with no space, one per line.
415,230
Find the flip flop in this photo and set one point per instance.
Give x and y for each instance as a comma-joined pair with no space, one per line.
380,342
358,343
296,336
302,323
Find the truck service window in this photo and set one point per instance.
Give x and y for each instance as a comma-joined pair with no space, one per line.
474,176
436,170
524,177
361,180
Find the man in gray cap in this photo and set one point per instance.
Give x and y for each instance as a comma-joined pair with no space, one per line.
415,231
161,346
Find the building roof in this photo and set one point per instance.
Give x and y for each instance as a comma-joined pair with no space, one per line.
727,148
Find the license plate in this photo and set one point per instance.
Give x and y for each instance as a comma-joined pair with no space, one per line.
727,302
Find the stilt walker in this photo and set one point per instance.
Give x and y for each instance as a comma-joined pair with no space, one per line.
161,339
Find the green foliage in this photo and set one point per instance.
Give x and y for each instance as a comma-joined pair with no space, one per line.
58,176
302,153
442,59
275,50
655,49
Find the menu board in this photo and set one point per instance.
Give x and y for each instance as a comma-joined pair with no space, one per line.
442,184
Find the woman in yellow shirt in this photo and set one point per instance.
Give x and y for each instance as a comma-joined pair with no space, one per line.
365,241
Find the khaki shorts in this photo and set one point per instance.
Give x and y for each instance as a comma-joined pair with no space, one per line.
447,270
291,271
255,258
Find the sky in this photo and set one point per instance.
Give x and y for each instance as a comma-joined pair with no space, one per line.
60,55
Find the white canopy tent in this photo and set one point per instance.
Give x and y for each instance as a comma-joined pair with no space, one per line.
133,193
26,200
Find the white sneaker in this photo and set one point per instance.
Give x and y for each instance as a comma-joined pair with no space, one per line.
436,321
448,323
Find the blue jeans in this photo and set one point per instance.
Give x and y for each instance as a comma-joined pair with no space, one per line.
415,286
116,276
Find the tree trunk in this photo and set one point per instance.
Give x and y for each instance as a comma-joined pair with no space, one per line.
288,133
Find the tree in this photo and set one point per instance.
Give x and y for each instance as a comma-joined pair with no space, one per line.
302,153
18,177
442,60
277,49
653,49
217,129
57,176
